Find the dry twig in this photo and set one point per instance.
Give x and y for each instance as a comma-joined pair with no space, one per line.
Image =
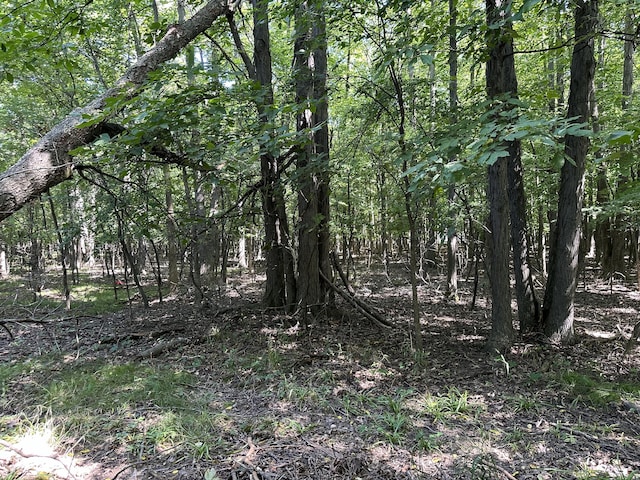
24,454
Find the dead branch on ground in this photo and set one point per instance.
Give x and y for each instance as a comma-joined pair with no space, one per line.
359,305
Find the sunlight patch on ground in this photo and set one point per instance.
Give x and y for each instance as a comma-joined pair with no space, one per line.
470,338
601,334
623,310
602,463
35,452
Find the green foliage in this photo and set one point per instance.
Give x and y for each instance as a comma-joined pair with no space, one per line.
451,405
585,388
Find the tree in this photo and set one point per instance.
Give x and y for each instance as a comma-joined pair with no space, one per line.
558,307
280,286
312,155
500,77
452,236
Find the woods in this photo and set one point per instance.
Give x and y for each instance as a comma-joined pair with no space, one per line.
385,85
466,157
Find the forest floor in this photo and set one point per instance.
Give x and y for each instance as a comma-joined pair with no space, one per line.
241,393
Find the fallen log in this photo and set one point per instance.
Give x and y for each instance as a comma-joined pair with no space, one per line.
156,350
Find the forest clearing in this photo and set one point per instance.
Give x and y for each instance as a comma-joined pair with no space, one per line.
250,394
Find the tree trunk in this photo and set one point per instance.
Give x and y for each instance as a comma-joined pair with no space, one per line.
410,206
558,311
63,253
172,232
528,307
500,80
452,236
5,265
310,69
49,162
275,294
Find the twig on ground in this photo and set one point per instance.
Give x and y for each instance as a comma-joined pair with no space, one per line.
24,454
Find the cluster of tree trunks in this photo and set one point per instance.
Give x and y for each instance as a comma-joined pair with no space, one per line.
306,286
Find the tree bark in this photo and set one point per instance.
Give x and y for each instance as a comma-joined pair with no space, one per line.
49,162
279,290
310,70
172,232
452,236
500,80
558,311
528,306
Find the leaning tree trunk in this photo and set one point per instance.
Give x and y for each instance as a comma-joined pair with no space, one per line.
528,308
558,311
49,162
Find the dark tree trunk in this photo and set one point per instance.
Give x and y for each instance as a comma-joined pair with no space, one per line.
172,233
36,263
310,69
528,307
500,78
278,268
63,254
558,311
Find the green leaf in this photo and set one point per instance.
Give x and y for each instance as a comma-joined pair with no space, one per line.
426,59
489,158
620,137
516,135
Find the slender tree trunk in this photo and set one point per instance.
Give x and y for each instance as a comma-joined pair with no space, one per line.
411,210
528,306
5,265
172,233
130,261
452,235
558,311
63,253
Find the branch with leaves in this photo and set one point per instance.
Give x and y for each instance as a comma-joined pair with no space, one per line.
50,162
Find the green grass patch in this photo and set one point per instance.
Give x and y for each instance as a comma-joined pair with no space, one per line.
453,404
590,389
106,388
92,295
142,408
10,372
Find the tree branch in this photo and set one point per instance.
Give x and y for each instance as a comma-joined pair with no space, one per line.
49,162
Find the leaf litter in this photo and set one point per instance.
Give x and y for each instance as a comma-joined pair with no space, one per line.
253,394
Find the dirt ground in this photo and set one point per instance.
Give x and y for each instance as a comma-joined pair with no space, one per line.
323,402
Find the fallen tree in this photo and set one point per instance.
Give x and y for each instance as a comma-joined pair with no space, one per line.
49,162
